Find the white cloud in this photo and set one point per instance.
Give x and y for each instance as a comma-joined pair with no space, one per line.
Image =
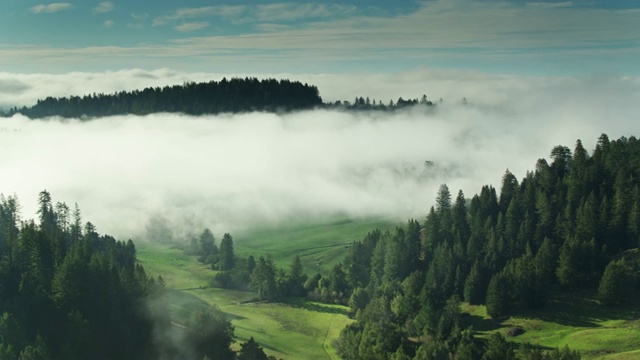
289,11
108,23
268,27
224,11
103,7
186,27
551,4
230,170
264,13
139,17
50,8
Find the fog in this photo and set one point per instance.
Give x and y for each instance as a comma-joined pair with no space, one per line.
230,172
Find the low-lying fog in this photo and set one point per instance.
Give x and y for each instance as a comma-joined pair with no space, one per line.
231,171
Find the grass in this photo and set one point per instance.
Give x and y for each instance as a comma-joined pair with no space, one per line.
319,243
297,329
572,319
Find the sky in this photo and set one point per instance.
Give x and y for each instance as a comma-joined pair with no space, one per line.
586,37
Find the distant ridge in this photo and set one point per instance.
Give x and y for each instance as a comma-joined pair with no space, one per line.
237,95
214,97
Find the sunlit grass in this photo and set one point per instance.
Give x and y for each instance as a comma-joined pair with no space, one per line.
319,243
573,319
297,329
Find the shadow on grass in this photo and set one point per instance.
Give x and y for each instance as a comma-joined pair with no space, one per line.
574,309
302,303
241,339
183,305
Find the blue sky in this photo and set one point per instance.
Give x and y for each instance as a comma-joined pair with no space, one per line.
500,36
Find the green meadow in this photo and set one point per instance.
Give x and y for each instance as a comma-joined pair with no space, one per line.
576,320
297,329
320,243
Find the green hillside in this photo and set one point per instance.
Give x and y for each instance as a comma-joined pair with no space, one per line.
320,243
574,319
297,329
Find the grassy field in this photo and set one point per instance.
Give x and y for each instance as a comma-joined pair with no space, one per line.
575,320
297,329
319,243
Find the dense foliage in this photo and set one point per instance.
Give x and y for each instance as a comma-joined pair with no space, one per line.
570,224
67,292
214,97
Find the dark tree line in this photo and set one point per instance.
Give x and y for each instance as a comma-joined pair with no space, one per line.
361,103
570,224
214,97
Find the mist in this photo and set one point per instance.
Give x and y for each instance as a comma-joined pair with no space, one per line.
234,171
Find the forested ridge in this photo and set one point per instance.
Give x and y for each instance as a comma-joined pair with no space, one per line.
214,97
236,95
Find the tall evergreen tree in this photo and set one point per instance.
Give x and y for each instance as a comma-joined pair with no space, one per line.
227,255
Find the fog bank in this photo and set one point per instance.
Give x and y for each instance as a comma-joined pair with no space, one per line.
231,171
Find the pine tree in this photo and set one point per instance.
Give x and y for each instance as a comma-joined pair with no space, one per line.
497,296
497,348
227,255
616,284
251,350
297,277
508,190
263,279
207,247
474,286
466,348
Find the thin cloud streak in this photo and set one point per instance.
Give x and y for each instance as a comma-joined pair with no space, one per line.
103,7
550,5
50,8
223,11
193,26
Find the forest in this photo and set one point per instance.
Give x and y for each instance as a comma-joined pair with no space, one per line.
572,224
214,97
67,292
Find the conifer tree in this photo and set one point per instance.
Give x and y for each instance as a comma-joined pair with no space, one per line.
251,350
616,284
227,255
497,296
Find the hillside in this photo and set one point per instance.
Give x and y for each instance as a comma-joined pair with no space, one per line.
214,97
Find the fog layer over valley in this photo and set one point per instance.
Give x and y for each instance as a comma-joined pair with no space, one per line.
232,171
